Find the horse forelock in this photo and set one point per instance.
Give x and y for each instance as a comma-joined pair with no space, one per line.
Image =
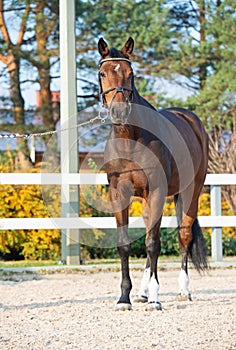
114,53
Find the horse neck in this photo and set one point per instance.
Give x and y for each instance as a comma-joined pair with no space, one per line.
139,100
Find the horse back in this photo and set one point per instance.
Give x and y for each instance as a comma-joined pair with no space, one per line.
189,117
195,138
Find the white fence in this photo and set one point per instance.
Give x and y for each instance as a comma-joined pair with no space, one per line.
216,220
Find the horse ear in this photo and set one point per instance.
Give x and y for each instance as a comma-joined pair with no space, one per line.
103,48
128,47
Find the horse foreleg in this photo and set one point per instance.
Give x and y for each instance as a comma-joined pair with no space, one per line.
126,285
123,246
120,197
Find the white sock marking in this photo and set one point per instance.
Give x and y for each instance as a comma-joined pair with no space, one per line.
183,283
143,291
153,288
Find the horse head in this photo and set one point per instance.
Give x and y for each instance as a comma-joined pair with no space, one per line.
116,80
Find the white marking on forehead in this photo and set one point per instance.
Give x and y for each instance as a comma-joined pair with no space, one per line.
117,67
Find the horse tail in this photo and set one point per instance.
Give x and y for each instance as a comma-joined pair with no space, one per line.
197,250
178,208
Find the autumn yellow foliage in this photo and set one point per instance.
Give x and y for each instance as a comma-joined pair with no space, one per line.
26,201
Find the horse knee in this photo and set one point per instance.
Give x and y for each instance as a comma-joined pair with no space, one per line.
153,246
124,250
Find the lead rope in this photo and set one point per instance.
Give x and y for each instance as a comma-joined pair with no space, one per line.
99,117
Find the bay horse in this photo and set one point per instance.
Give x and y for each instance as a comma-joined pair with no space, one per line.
151,154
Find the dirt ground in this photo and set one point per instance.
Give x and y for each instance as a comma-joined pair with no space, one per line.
77,311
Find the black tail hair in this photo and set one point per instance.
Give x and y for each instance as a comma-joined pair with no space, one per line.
197,250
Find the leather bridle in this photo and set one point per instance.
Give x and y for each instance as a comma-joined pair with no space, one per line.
117,89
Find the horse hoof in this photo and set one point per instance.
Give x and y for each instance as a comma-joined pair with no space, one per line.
140,299
123,307
153,306
184,297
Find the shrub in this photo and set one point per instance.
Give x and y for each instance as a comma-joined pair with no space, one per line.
18,201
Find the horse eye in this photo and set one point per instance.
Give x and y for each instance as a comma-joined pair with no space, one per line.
102,74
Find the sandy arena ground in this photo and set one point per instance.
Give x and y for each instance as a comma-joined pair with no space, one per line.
76,311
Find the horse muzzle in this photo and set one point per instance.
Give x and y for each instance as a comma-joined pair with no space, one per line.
119,112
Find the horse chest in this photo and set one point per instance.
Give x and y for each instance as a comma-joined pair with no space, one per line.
121,172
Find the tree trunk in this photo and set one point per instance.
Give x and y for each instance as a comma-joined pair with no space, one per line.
15,90
203,66
18,108
46,98
11,59
44,66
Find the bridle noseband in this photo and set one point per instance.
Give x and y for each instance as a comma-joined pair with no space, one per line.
117,89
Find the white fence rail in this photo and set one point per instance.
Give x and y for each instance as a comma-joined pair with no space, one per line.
216,220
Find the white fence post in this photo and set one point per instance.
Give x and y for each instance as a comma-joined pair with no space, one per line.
216,238
69,137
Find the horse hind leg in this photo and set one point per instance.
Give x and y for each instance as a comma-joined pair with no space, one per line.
123,246
191,244
184,241
142,295
153,247
184,235
189,234
149,288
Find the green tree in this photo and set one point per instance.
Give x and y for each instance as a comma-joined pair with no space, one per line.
214,99
206,57
115,21
191,44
